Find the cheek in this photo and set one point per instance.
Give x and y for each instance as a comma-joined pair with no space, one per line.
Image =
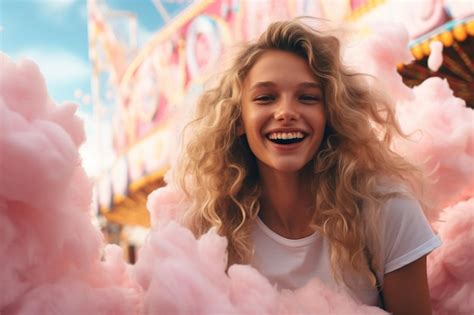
251,121
315,118
252,126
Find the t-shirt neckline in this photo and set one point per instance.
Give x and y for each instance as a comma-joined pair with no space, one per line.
305,241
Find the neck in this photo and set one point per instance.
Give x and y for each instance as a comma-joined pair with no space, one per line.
286,203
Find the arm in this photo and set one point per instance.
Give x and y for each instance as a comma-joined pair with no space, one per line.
406,290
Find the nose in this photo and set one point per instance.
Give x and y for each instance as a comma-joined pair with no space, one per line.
286,110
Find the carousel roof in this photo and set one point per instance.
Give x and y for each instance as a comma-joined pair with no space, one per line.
457,37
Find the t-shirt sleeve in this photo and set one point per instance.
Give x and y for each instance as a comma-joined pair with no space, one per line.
406,234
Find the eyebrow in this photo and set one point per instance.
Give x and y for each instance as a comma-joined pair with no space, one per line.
264,84
310,85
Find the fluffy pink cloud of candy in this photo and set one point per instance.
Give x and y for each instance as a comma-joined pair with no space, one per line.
50,252
441,141
182,275
450,266
440,125
166,204
378,55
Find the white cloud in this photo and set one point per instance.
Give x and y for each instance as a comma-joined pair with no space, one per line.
58,66
56,11
56,5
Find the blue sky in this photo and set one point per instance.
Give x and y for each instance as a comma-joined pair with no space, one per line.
54,34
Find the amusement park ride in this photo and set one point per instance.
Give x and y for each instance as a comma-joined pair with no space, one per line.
139,92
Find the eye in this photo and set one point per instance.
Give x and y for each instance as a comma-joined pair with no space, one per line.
264,99
310,98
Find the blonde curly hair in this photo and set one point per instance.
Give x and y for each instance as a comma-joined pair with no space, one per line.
219,174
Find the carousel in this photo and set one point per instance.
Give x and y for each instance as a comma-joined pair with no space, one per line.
457,37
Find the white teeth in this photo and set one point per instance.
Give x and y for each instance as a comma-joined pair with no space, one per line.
286,135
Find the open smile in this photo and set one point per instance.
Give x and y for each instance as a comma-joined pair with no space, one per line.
286,138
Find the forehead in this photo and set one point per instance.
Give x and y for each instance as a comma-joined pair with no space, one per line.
280,67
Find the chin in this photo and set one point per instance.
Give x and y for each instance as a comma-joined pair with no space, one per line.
288,166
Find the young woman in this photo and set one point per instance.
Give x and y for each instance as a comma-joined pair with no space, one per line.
289,158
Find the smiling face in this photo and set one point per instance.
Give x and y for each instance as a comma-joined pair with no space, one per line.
283,112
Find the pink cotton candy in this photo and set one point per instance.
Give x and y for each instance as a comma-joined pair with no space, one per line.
22,88
378,55
72,296
435,60
182,275
71,123
442,141
252,292
177,279
38,142
302,301
450,267
22,166
166,203
50,252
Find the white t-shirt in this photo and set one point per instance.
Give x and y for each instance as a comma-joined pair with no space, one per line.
405,236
